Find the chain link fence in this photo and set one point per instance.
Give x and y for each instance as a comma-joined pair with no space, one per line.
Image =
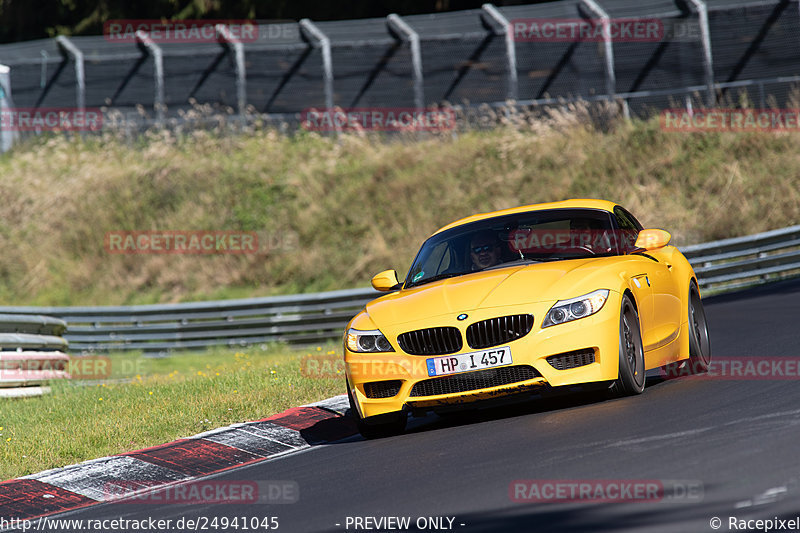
705,51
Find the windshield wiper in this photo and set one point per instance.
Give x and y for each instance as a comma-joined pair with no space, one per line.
510,263
525,261
437,277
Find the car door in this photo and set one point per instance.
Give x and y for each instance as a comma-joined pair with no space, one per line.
640,272
660,307
666,300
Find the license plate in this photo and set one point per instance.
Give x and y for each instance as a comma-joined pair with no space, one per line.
452,364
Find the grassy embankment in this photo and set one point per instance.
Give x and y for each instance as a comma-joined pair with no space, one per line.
332,213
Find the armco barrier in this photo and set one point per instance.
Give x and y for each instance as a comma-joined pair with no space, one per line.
32,353
734,263
304,318
310,318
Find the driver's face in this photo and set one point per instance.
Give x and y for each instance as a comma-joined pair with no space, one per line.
484,253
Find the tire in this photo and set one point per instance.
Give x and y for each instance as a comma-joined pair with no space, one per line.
699,342
631,378
378,427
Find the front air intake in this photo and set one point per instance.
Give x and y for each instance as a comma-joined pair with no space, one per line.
382,389
567,360
470,381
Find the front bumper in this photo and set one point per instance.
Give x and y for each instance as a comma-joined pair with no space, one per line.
598,333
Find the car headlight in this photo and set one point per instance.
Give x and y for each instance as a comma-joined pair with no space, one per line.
367,341
580,307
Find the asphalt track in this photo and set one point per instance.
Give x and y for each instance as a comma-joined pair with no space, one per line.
737,439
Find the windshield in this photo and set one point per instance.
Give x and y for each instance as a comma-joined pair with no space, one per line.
521,238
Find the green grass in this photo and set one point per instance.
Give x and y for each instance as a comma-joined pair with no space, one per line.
330,212
165,399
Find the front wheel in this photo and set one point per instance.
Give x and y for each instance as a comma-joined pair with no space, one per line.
699,343
631,376
377,427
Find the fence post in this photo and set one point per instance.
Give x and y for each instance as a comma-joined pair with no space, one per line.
7,137
147,45
400,30
708,60
611,77
312,34
241,75
68,47
490,11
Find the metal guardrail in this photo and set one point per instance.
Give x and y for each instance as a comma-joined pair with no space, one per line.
297,319
310,318
32,353
730,264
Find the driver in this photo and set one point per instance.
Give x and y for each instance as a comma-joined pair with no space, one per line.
484,249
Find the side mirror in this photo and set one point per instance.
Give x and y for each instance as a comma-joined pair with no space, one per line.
385,281
652,239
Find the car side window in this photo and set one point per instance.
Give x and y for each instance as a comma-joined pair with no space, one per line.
439,260
629,229
629,218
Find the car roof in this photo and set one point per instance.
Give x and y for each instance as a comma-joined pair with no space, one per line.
574,203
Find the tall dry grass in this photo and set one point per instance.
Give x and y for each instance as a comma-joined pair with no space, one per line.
335,210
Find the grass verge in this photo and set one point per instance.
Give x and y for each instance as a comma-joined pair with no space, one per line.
152,401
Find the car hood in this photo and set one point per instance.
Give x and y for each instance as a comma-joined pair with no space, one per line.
536,282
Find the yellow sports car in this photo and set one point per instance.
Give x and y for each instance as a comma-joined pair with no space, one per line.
520,301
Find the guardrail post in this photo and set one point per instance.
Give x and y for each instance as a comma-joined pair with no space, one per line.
708,60
491,12
147,45
234,45
68,47
315,37
7,137
402,31
611,77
